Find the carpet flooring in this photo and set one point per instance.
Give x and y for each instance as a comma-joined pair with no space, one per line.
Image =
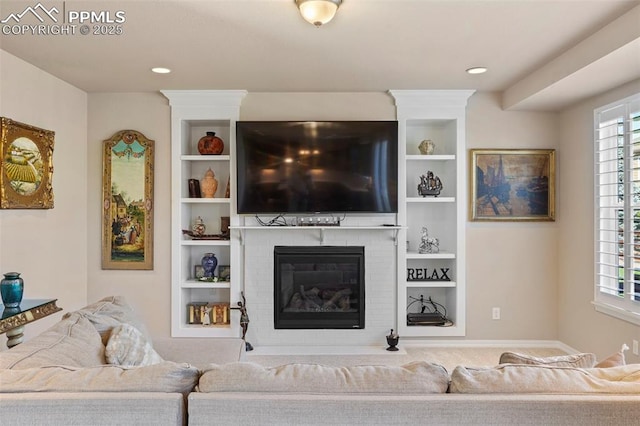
448,357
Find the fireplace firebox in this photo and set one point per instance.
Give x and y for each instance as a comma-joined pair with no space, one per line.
319,287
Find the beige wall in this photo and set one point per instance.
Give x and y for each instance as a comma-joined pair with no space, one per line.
512,266
48,246
579,325
148,291
539,274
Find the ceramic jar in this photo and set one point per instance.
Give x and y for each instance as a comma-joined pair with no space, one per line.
11,288
210,144
209,263
209,184
198,227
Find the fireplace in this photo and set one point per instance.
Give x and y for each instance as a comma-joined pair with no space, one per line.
318,287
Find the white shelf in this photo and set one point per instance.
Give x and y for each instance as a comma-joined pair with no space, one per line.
205,157
437,115
321,229
193,113
205,242
431,284
206,200
431,199
421,157
441,255
312,228
205,284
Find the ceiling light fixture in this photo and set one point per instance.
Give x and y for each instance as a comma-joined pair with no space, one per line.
318,12
477,70
161,70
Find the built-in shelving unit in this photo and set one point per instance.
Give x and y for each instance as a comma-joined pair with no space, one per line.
438,115
193,113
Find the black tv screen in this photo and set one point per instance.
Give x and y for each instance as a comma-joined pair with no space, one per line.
317,167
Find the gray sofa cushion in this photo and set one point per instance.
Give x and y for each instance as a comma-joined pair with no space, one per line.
73,341
521,378
110,312
583,360
413,378
163,377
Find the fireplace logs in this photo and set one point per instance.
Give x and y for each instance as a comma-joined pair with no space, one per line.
316,300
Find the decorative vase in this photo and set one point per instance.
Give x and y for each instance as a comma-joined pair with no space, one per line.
210,144
198,227
209,263
392,341
209,184
11,288
426,147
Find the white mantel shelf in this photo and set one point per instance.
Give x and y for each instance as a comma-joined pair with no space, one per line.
320,229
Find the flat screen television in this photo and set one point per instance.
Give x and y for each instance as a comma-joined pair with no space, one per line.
287,167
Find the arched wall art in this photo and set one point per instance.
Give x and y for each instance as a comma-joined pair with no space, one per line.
127,194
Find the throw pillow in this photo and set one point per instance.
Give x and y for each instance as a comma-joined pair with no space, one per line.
614,360
522,378
73,341
164,377
127,346
414,378
110,312
584,360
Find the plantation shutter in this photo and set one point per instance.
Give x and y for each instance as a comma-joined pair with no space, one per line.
617,209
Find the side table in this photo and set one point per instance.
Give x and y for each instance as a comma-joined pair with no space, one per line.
13,320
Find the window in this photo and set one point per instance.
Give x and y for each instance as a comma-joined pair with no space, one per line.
617,209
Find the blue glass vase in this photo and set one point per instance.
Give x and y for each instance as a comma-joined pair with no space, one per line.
209,263
11,288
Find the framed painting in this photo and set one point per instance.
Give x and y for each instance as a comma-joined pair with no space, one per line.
512,184
27,166
127,194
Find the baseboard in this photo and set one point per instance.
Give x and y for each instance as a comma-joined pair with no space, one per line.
322,350
490,344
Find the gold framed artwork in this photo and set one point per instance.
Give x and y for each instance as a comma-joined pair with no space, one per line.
512,184
27,166
127,194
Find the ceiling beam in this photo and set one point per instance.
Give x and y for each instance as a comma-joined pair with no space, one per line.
588,68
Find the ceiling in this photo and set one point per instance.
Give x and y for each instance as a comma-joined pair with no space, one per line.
541,54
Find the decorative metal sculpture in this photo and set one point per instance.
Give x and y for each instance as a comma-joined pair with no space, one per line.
430,185
428,244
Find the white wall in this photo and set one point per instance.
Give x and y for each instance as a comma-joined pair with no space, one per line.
580,326
48,246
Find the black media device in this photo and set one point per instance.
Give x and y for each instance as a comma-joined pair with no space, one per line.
298,167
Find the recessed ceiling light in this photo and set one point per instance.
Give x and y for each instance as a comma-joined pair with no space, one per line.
477,70
161,70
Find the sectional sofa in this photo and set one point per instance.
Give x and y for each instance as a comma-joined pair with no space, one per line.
97,366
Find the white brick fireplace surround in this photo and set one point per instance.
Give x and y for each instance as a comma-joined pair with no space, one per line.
380,283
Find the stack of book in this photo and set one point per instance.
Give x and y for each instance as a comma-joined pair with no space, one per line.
204,313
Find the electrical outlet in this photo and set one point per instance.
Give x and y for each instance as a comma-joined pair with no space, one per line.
495,313
635,347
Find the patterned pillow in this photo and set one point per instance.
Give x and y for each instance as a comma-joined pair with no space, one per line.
127,346
584,360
